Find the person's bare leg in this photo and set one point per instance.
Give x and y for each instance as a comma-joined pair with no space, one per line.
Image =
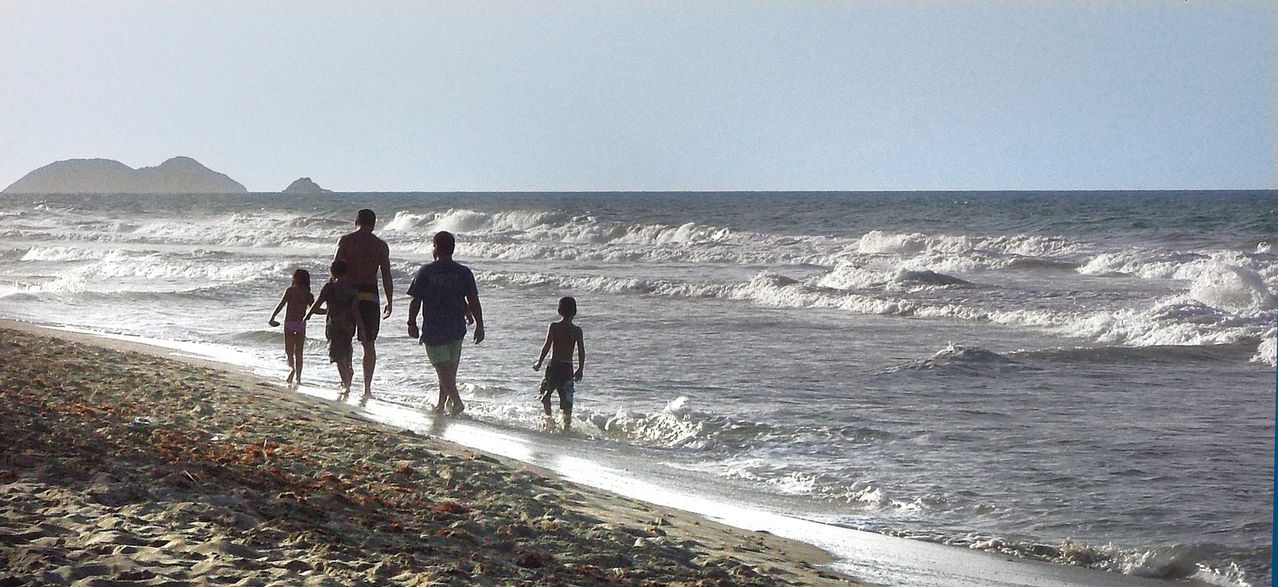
447,373
454,396
347,372
299,344
441,370
370,363
289,354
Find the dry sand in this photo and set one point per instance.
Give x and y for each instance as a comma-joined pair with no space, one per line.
120,465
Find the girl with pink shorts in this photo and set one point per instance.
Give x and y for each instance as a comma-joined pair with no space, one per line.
297,298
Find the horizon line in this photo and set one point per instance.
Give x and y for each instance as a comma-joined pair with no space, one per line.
671,191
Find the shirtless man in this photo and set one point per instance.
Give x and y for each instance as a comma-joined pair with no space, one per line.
365,254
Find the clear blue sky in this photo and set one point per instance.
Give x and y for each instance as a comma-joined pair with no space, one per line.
609,95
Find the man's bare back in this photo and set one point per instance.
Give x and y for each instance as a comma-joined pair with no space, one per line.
364,254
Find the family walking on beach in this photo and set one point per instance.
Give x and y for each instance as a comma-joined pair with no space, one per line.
445,294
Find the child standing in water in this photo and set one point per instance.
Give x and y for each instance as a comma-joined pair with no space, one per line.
296,299
562,337
342,299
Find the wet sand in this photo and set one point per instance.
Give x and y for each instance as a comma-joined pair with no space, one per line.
124,463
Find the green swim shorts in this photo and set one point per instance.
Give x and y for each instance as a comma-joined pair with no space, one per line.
449,352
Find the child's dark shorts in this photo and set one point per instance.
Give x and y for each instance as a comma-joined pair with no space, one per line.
339,350
558,379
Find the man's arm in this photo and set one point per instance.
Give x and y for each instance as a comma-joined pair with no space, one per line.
386,280
472,301
581,355
413,307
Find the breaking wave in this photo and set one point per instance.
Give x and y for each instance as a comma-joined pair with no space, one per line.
966,360
120,271
1235,306
1181,562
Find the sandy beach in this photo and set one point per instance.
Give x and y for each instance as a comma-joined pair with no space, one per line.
122,465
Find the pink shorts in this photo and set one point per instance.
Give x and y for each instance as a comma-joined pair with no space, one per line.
295,327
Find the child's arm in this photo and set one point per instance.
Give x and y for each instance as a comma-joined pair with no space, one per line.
283,300
581,355
315,308
545,348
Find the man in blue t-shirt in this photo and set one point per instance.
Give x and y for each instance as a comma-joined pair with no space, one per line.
445,293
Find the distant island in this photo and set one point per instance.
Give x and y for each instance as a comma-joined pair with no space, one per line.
304,185
179,175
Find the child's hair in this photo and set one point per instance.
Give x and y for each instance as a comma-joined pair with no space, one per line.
302,278
338,268
567,307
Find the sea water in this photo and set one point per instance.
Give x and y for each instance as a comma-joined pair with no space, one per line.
1081,378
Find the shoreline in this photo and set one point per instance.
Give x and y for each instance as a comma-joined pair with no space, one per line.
793,550
172,467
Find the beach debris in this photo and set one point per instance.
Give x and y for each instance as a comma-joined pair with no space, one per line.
450,508
405,468
533,558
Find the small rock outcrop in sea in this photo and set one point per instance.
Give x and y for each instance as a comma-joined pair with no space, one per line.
304,185
179,175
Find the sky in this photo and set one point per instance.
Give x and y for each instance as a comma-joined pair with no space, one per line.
615,95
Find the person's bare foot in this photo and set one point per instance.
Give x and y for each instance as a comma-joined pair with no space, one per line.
290,376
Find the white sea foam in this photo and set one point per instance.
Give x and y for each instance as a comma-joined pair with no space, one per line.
1183,265
64,254
1175,320
672,427
242,230
553,226
849,276
1267,351
123,271
1175,563
883,242
1232,288
522,234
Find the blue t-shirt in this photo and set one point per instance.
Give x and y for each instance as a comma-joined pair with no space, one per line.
442,287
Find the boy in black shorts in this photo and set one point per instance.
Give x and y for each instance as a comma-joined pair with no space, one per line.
343,320
562,336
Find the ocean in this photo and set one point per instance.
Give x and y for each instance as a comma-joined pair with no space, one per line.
1082,378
